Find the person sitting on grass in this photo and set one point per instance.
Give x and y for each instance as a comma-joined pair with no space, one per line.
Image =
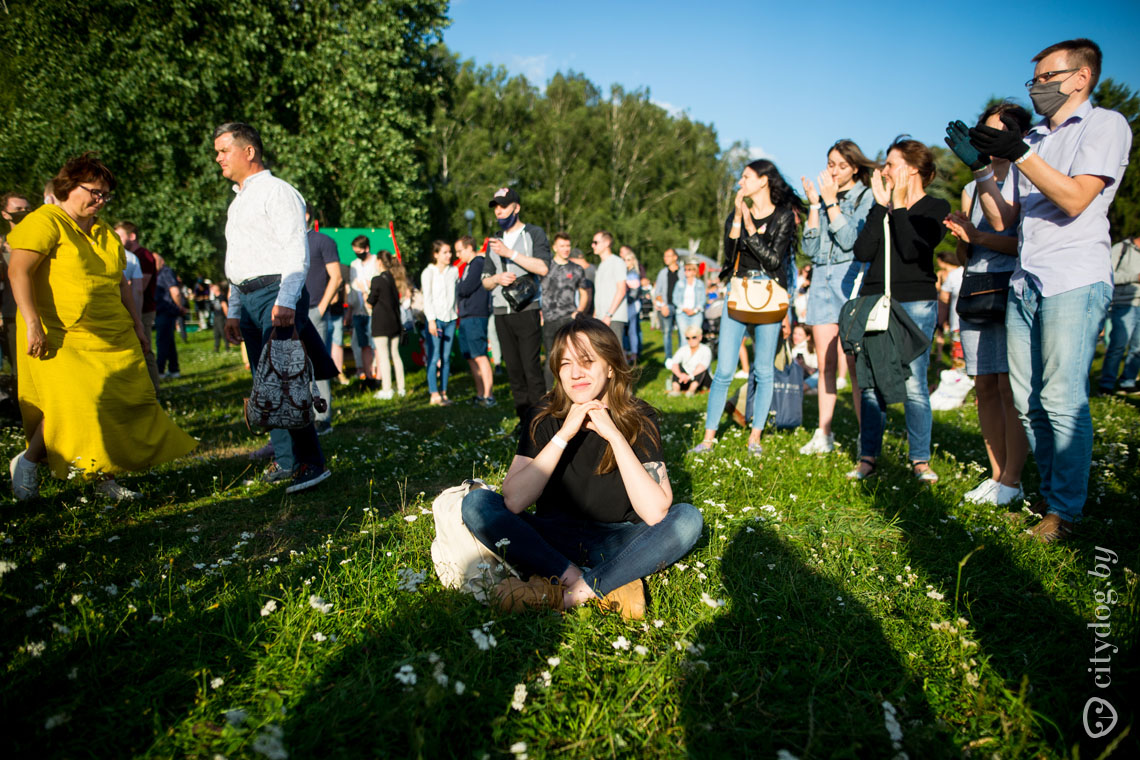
690,365
590,460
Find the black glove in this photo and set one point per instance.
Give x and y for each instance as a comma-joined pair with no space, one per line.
958,138
1000,143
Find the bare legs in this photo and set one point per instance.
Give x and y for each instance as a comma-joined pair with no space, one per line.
481,375
826,339
37,451
1006,444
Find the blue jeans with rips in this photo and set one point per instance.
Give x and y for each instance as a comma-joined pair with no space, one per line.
1051,341
764,339
610,554
1122,337
917,405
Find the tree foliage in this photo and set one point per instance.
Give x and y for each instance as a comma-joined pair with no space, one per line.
1124,215
580,160
342,92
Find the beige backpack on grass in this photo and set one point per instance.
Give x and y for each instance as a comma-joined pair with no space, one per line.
460,560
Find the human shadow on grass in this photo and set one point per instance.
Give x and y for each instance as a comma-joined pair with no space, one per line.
796,664
432,676
128,680
1026,628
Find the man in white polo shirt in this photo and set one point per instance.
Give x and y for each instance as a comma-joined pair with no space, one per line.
267,259
1067,169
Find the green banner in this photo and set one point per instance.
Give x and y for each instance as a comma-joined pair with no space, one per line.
380,239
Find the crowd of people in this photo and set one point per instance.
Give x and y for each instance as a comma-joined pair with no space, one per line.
1036,282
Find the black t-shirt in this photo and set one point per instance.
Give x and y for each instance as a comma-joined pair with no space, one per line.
575,489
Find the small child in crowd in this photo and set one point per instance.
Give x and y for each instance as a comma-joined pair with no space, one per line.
803,353
690,365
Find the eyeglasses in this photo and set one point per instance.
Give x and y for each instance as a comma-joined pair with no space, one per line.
99,195
693,337
1043,78
593,242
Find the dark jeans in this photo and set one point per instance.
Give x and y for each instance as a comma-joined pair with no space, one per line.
256,330
610,554
520,337
167,353
550,328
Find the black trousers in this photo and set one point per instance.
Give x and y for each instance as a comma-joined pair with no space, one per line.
550,328
167,350
520,337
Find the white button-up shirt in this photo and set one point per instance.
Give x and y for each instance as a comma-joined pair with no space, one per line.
439,293
265,234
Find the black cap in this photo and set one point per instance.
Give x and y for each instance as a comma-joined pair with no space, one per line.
505,196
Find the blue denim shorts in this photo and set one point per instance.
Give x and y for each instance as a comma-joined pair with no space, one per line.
362,327
984,347
336,330
831,287
473,336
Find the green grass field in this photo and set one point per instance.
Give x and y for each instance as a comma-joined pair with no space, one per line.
218,617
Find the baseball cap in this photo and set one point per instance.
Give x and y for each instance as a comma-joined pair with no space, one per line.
505,196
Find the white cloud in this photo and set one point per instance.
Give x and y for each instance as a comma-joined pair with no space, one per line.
669,108
533,67
756,152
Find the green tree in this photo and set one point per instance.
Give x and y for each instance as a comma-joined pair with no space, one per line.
1124,214
341,92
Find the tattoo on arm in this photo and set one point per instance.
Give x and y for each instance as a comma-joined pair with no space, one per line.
656,470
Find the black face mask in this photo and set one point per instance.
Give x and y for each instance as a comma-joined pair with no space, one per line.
361,256
18,216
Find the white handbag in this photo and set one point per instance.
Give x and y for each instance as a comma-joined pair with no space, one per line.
461,561
879,316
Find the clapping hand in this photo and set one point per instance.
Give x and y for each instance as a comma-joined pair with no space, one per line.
828,188
1000,143
880,188
809,191
958,138
960,226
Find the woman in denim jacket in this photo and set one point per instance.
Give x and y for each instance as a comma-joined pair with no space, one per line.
837,213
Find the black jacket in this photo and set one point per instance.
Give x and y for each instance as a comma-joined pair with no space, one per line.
385,303
882,359
767,251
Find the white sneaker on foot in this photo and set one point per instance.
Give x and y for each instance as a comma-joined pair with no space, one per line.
383,395
840,383
819,443
115,492
25,481
1003,494
982,493
741,375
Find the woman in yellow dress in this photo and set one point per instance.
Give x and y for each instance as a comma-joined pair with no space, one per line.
85,396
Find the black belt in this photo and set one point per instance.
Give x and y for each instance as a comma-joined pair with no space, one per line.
257,283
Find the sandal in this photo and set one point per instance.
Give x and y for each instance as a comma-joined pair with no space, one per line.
702,447
926,476
858,474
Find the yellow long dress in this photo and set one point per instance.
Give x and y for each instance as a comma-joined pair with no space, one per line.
91,389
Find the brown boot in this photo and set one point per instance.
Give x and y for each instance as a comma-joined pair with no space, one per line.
629,600
515,595
1016,517
1051,529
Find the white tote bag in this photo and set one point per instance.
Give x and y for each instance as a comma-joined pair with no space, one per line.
460,560
880,314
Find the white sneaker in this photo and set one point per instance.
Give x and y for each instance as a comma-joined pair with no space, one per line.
25,481
115,492
982,492
819,443
741,375
1004,494
840,383
383,395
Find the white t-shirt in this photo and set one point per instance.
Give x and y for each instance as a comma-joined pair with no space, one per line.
363,272
133,270
811,361
690,360
611,272
952,284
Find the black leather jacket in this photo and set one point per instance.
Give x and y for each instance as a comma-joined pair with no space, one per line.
766,250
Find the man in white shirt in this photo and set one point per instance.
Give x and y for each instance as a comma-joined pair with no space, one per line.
267,259
609,284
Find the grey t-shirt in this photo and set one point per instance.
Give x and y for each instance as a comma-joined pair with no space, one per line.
560,289
611,272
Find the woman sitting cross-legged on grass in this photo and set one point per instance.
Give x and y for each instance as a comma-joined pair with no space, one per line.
589,458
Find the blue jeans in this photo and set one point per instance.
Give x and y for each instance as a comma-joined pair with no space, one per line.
166,350
917,404
1122,336
438,355
610,554
764,339
632,338
668,324
1051,342
685,321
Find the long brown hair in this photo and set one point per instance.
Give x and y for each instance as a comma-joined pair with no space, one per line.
592,337
854,156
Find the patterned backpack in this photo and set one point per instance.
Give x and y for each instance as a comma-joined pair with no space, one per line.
284,395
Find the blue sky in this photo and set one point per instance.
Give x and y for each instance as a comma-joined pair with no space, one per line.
791,78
